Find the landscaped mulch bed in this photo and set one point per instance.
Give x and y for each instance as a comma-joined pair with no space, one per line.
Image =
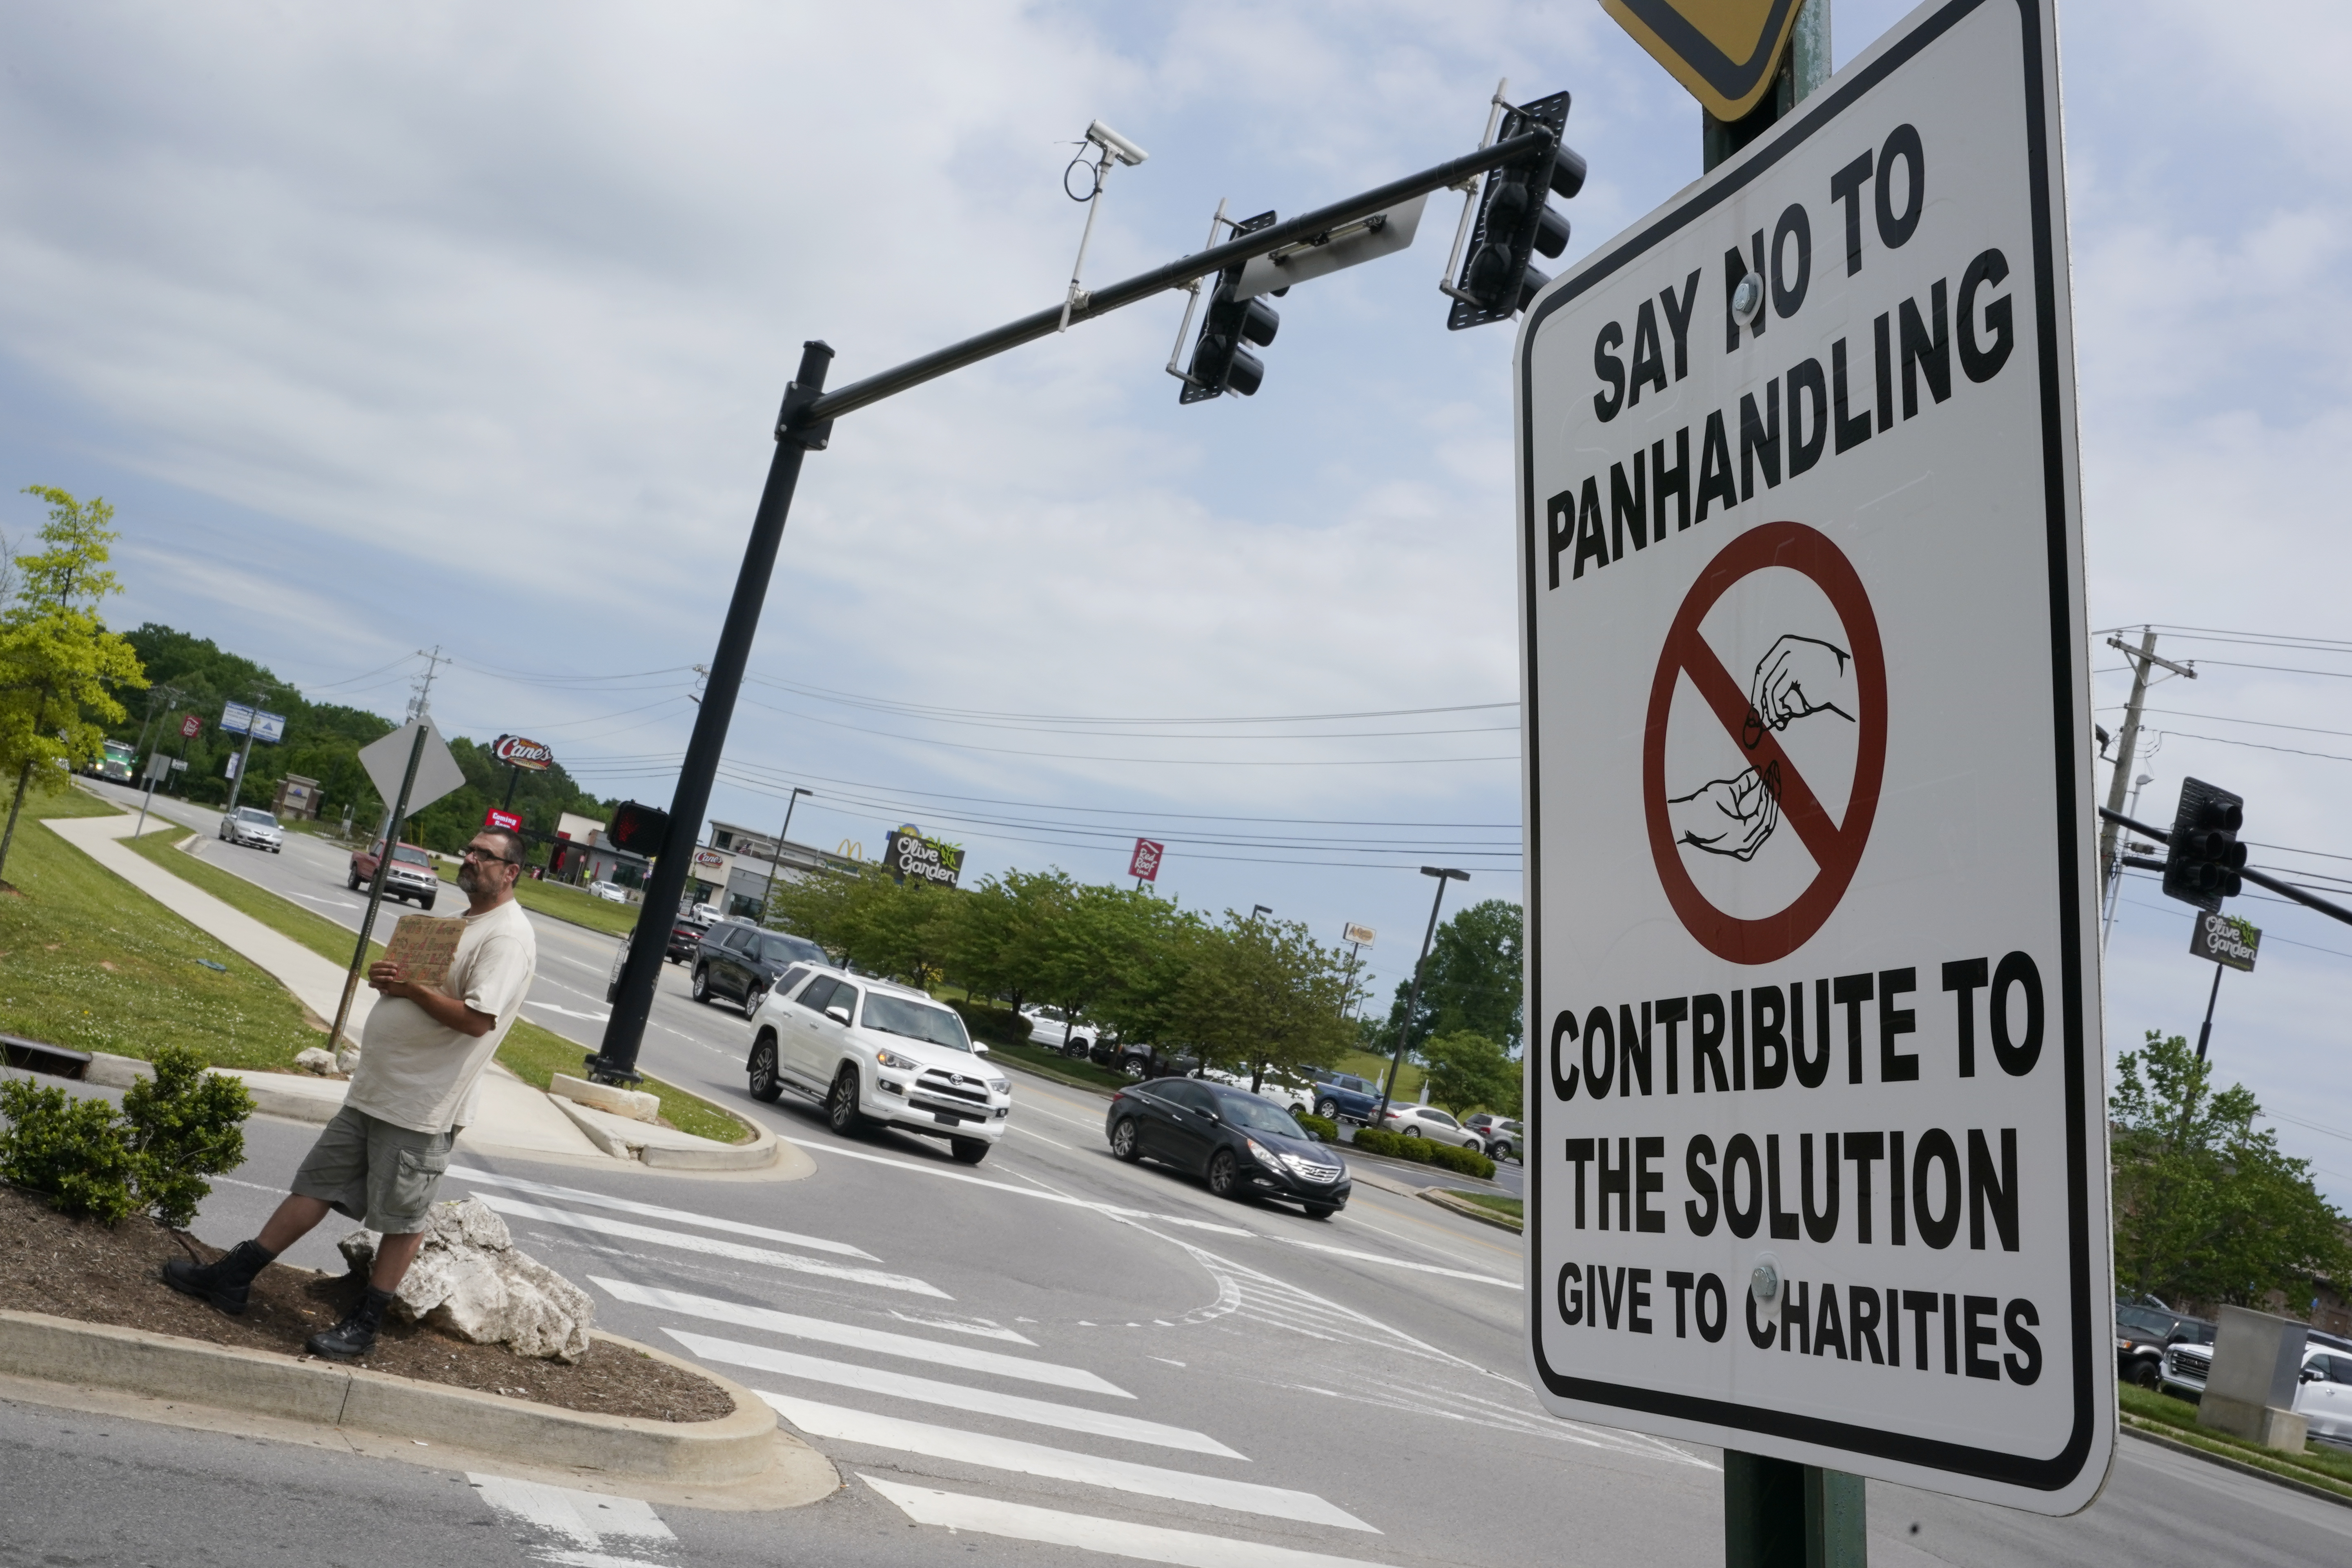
73,1268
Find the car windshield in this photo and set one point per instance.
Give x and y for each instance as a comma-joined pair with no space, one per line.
915,1020
1251,1114
412,856
250,813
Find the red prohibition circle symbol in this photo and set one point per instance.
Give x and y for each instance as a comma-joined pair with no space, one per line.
1835,846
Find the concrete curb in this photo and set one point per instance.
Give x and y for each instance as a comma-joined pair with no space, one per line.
735,1447
111,1072
2145,1435
624,1139
1469,1210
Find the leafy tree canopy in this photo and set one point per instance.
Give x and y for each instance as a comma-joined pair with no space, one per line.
1468,1072
1473,980
2206,1207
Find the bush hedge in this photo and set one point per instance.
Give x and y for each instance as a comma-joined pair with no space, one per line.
1426,1152
92,1160
1326,1132
997,1025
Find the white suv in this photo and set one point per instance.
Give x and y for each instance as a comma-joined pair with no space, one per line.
874,1051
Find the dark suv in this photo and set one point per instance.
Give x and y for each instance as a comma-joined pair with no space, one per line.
738,960
2142,1331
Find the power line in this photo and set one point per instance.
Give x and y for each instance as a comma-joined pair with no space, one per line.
854,699
2226,718
2256,745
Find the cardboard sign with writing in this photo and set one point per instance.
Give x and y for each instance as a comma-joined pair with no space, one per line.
426,945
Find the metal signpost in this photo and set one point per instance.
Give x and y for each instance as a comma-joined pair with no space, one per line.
1817,1153
236,719
412,768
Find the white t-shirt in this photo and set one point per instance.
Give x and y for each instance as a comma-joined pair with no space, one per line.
417,1074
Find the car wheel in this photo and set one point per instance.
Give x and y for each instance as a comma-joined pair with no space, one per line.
753,998
1224,1174
1134,1069
702,983
1502,1151
968,1151
1412,1131
1328,1110
1076,1050
277,849
1322,1211
841,1111
354,883
2144,1374
1122,1140
765,1085
425,904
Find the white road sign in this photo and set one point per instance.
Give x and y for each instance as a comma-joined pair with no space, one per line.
1816,1131
386,759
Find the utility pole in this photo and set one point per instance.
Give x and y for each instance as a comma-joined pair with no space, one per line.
2143,659
1444,874
421,704
775,860
244,756
2115,877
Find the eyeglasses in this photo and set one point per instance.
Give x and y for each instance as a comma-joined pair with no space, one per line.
473,853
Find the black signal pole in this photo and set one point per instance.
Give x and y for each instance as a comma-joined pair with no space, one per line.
804,426
1444,874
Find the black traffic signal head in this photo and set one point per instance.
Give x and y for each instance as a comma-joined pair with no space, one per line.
639,829
2202,860
1515,219
1220,362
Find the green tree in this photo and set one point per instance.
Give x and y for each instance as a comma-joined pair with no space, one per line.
60,666
1261,995
1469,1072
2206,1207
1473,980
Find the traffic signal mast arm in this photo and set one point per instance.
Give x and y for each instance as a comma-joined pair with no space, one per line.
857,395
2260,879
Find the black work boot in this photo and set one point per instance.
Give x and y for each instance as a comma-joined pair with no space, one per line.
355,1335
225,1281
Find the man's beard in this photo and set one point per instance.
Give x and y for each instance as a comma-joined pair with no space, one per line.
469,879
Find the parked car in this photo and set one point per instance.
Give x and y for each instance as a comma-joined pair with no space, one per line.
685,934
611,892
2141,1333
1244,1145
737,960
1136,1061
1058,1031
2323,1398
411,876
1428,1121
1343,1097
1503,1137
876,1052
251,824
2188,1359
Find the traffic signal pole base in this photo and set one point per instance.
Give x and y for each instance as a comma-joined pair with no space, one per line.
1780,1514
615,1075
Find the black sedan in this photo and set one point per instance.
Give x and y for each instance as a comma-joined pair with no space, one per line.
1244,1146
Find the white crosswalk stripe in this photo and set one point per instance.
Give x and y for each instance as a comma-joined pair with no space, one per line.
850,1336
1117,1537
577,1528
1060,1463
955,1395
791,1262
585,1199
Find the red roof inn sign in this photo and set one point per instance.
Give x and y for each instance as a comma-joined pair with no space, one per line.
1816,1147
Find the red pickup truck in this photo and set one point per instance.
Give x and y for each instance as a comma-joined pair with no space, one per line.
411,875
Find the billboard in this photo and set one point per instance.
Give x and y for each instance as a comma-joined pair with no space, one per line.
911,854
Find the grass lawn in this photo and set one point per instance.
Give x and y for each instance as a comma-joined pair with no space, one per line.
287,918
89,963
565,902
1501,1202
1365,1065
534,1054
2318,1465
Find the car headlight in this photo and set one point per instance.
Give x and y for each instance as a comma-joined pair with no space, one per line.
1000,1086
893,1059
1262,1155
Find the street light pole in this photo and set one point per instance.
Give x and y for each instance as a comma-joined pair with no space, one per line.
775,859
1444,874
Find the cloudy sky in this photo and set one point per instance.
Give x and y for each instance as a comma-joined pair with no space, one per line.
464,327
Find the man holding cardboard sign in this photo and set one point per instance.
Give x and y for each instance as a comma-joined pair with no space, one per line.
427,1043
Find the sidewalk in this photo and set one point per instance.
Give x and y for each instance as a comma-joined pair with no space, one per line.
513,1117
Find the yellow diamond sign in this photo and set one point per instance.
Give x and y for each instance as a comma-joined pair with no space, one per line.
1724,51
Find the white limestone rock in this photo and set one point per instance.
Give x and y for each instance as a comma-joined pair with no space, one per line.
310,1058
469,1280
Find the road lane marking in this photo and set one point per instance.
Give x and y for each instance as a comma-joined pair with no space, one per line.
1351,1252
969,1358
716,1248
1033,1132
1114,1210
654,1210
1115,1537
568,1012
875,1431
986,1327
557,1525
955,1395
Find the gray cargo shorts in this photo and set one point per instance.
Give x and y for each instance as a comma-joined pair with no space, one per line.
382,1175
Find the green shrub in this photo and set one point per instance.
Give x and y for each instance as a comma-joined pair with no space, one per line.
91,1160
997,1025
1469,1162
1424,1151
1328,1131
184,1124
71,1151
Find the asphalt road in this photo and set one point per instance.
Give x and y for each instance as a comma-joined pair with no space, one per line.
1050,1359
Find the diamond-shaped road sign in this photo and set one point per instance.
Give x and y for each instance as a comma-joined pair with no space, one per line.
1723,50
1817,1144
437,771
